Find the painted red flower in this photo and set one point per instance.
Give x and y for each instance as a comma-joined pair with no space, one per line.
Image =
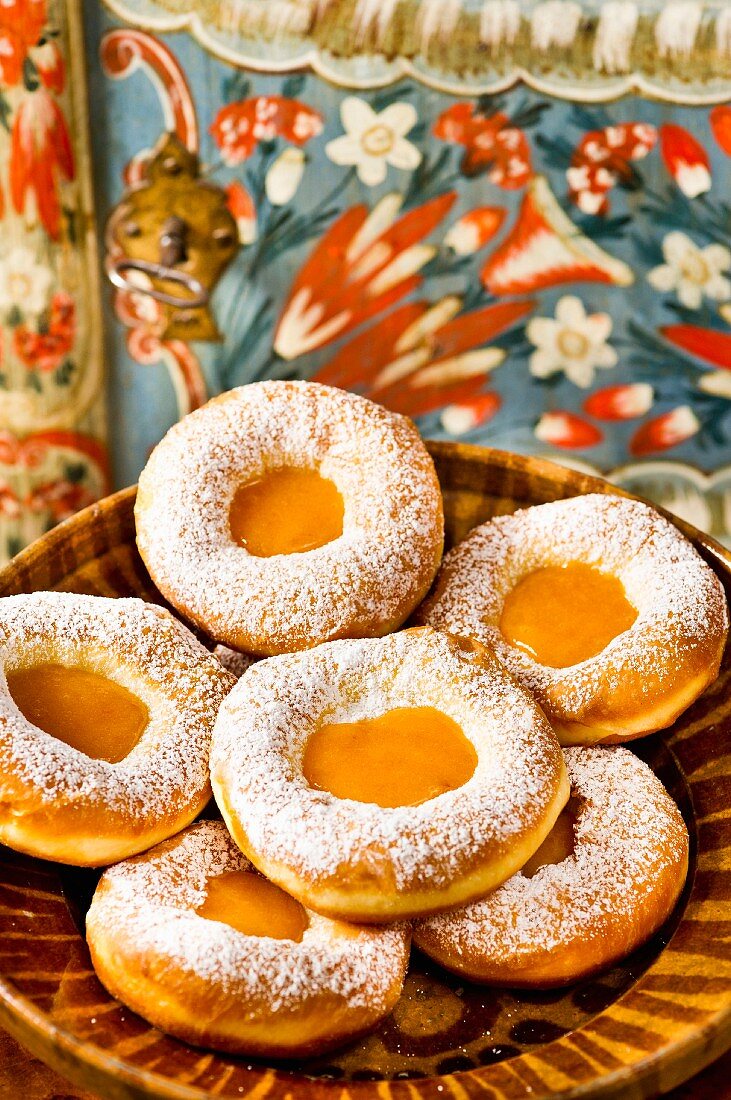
602,159
40,156
46,350
665,431
238,127
624,402
424,355
363,264
565,429
493,145
61,498
720,118
705,343
685,159
10,506
241,205
48,60
21,23
474,229
465,416
544,248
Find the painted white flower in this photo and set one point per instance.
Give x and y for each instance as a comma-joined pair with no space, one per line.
692,272
24,282
373,141
285,176
574,342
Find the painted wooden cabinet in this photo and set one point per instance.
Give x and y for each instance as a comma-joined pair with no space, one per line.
511,221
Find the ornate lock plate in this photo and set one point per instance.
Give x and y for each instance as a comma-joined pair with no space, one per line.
171,236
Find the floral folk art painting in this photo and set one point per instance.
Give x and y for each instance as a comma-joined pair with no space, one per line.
496,223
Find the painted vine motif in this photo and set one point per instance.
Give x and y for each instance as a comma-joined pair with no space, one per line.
472,262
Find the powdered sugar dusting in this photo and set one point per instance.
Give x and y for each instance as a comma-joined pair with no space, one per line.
150,902
365,581
142,648
234,662
264,725
628,834
681,607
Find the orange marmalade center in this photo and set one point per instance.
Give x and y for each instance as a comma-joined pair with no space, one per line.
286,511
564,614
87,711
401,758
253,905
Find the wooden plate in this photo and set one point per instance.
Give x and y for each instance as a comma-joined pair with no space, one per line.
635,1030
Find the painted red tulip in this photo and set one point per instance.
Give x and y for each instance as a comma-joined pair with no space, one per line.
474,229
544,248
40,158
465,416
685,159
365,262
620,402
665,431
424,356
706,343
566,429
241,205
720,118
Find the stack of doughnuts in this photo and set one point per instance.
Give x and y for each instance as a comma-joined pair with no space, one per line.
398,746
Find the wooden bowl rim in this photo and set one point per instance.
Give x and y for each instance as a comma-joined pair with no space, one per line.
679,1058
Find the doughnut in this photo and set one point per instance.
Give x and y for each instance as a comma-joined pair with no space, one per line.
285,514
379,779
605,879
597,605
106,713
191,937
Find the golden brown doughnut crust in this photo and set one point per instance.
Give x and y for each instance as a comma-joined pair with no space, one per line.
58,803
646,676
573,918
213,986
360,861
364,583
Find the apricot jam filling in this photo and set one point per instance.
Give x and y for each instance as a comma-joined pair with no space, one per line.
87,711
286,511
564,614
402,758
558,845
253,905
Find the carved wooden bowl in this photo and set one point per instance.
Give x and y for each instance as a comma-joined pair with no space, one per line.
633,1031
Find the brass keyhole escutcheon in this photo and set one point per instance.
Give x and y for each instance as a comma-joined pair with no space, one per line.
175,231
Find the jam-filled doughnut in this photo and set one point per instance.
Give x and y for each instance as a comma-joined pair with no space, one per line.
375,779
605,879
284,514
191,937
106,713
598,605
